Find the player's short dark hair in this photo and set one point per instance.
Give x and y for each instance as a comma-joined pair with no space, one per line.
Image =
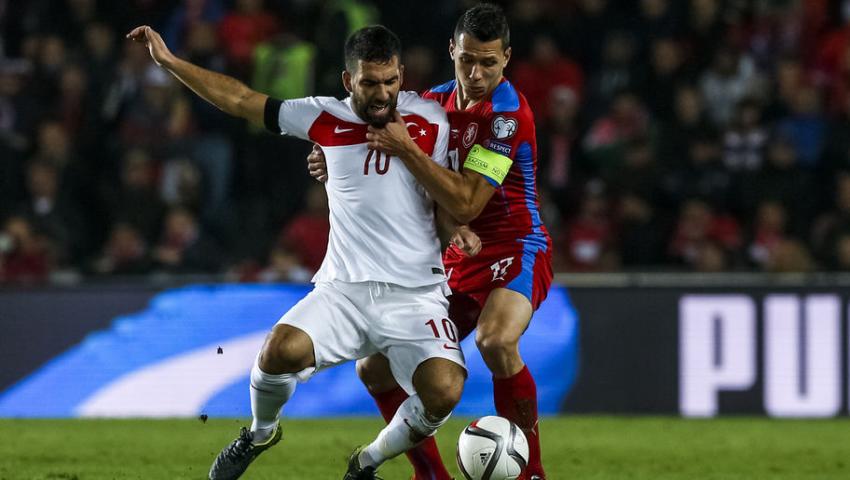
375,43
486,22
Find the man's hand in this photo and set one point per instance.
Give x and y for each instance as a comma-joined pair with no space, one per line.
227,93
317,165
159,52
466,240
393,139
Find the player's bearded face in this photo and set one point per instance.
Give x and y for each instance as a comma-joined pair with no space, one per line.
479,65
374,90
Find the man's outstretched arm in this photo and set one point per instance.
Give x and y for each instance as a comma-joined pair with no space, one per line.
226,93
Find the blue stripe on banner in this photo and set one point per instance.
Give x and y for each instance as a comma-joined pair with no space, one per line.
163,362
176,323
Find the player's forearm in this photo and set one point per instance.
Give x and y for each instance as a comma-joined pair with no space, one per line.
226,93
446,225
450,189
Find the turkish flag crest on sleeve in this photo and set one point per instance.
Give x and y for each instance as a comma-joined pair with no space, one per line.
422,132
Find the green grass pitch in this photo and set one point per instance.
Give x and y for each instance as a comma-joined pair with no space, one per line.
585,448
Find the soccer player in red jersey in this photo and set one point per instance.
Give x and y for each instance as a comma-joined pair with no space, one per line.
491,187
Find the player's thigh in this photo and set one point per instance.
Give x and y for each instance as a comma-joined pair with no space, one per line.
374,371
523,268
337,329
464,311
504,318
512,300
414,326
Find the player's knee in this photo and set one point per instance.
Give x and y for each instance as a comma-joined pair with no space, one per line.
441,404
285,351
443,394
496,345
375,374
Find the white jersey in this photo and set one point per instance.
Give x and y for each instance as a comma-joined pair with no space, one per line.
382,219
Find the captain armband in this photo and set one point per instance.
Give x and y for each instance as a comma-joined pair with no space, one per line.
492,165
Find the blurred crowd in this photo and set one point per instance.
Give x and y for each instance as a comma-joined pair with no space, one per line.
687,135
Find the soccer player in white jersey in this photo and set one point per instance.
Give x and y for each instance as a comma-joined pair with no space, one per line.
381,287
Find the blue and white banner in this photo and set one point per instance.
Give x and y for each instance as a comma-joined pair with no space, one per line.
191,351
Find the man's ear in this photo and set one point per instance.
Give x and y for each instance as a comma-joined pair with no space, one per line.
346,81
400,75
507,56
452,48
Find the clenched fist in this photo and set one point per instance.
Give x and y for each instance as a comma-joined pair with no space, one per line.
466,240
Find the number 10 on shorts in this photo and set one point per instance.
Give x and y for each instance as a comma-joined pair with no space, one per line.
448,329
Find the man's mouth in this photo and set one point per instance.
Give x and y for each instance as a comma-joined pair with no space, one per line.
379,108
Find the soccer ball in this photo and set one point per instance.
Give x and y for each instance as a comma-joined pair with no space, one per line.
492,448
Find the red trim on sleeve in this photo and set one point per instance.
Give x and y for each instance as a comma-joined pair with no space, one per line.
330,131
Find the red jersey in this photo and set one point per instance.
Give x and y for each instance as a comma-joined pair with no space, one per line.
504,124
516,249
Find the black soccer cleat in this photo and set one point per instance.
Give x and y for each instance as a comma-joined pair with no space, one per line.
234,459
355,472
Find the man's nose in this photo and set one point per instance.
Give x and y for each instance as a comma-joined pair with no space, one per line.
475,73
383,94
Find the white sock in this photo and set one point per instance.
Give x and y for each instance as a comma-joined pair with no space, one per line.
409,427
268,394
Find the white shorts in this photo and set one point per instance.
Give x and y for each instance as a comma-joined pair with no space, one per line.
349,321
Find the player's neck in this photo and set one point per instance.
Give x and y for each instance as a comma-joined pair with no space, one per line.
462,102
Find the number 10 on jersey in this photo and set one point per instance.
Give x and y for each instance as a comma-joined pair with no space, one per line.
382,162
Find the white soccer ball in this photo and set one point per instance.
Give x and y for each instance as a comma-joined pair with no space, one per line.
492,448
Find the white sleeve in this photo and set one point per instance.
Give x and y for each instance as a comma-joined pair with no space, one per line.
292,117
441,147
434,114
